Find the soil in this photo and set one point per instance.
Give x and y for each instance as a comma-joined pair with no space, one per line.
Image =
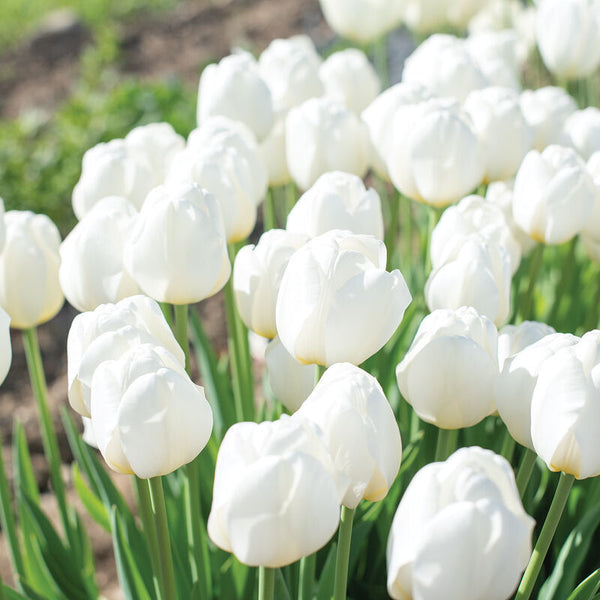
39,74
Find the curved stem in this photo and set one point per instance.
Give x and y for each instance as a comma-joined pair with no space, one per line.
266,583
525,470
543,543
343,553
181,331
159,513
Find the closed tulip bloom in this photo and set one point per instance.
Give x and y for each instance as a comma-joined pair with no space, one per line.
222,131
472,215
323,135
234,88
546,109
360,430
177,251
436,375
257,274
435,156
148,417
517,382
425,16
460,531
2,225
362,20
290,67
276,496
91,270
443,65
290,381
157,144
29,289
567,36
336,302
349,78
590,234
108,332
554,195
503,45
581,131
380,113
514,338
505,134
478,274
337,200
113,169
272,154
227,175
565,409
5,345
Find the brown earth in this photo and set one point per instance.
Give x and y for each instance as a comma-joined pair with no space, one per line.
40,73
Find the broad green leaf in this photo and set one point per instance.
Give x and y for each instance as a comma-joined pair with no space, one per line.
327,577
24,476
92,503
587,589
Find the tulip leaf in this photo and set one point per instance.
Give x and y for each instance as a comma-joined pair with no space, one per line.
24,476
327,578
571,557
90,501
131,581
588,588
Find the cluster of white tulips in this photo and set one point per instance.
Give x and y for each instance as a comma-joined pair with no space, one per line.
270,472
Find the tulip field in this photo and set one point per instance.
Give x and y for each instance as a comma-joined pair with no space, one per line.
407,402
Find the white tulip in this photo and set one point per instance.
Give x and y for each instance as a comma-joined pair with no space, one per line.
290,381
360,430
2,225
336,302
234,88
276,496
322,135
554,195
29,288
257,274
565,409
517,382
350,79
460,531
177,251
514,338
106,334
91,270
436,376
425,16
581,131
272,154
337,200
148,417
5,345
590,234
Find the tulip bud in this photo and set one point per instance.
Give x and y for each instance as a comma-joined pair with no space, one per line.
276,495
567,36
565,409
514,338
177,251
257,274
234,88
517,382
5,345
360,430
425,16
337,200
590,234
336,302
91,270
29,289
581,131
460,531
554,195
272,154
290,381
436,375
148,417
546,110
362,20
106,334
113,169
322,135
349,78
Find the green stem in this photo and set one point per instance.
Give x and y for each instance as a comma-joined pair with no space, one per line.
534,271
406,230
343,554
446,441
145,505
543,543
269,221
525,470
50,443
290,198
565,275
266,583
380,58
307,576
181,331
391,237
167,313
508,446
159,513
